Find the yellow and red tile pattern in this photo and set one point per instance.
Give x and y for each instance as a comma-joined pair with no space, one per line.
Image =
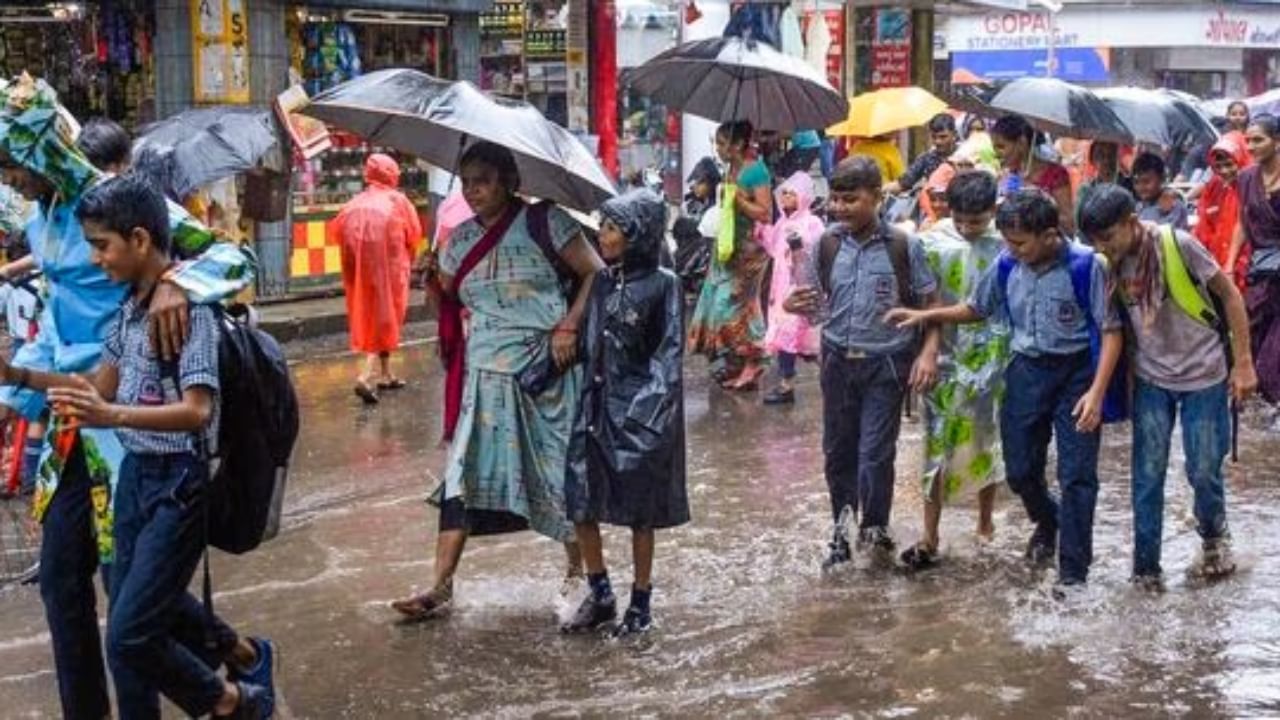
317,250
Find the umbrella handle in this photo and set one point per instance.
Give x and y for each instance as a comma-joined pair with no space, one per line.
1235,432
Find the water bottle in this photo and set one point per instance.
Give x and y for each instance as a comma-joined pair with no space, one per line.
804,273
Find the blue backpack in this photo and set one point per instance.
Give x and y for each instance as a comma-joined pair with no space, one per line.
1115,405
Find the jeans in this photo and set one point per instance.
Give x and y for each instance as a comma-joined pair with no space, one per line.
1042,393
861,416
1206,439
786,365
68,561
159,636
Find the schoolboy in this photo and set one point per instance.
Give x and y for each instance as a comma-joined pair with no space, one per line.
159,510
1181,364
862,268
1055,387
1157,202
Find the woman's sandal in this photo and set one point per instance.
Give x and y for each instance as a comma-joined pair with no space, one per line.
365,393
433,603
919,557
394,383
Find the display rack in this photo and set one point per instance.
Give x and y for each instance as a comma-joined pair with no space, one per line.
523,57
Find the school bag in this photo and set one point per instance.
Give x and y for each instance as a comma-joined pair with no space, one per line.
899,256
1115,403
1188,293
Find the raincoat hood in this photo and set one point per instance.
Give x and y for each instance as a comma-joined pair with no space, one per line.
802,185
381,170
642,216
979,150
1233,144
39,135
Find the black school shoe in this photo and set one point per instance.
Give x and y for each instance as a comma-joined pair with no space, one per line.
838,551
634,622
1043,545
875,539
254,703
780,397
591,614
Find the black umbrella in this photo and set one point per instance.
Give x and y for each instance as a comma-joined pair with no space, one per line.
437,120
1158,118
729,78
1050,105
203,145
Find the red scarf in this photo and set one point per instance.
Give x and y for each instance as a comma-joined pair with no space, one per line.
453,344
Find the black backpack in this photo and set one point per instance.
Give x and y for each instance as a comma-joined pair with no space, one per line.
259,427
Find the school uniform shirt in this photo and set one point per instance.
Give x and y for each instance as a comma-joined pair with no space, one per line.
1042,307
864,287
1177,216
1173,351
143,382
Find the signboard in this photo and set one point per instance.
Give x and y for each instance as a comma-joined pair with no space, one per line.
577,43
1078,65
1100,26
891,49
220,52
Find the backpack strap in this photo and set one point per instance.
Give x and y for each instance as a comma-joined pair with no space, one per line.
1004,268
1080,267
539,226
899,246
1184,288
828,249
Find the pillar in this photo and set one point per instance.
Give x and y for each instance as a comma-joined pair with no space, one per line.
921,68
604,81
175,87
464,34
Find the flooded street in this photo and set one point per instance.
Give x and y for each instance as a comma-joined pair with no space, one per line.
748,626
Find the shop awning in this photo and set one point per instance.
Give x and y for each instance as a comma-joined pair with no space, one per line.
434,6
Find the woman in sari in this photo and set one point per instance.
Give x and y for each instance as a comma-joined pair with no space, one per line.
1015,144
510,401
728,323
1259,230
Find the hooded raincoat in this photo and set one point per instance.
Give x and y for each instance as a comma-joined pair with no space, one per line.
80,298
380,233
790,333
1219,208
627,452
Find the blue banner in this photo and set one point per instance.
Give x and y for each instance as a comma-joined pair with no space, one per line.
1078,65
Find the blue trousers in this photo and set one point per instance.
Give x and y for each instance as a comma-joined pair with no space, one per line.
861,417
1042,393
1206,439
159,636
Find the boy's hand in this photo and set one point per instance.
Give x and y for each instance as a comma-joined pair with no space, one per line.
802,301
1243,381
82,403
1088,412
924,371
902,317
168,316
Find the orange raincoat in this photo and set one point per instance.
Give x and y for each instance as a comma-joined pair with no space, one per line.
380,234
1219,209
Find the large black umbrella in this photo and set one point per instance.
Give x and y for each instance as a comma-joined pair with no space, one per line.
1050,105
1158,118
200,146
437,120
730,78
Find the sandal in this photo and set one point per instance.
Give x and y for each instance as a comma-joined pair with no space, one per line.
366,393
919,557
431,604
394,383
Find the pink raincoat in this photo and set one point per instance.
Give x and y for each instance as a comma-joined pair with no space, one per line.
380,234
791,333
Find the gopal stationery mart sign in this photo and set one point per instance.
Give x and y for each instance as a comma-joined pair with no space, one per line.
1213,26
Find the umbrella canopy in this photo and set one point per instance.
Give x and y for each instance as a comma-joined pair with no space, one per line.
888,110
1050,105
729,78
437,120
199,146
1158,118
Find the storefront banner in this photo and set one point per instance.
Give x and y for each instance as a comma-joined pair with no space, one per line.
1078,65
310,136
891,49
1189,26
220,51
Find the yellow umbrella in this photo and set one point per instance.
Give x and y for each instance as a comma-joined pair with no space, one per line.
888,110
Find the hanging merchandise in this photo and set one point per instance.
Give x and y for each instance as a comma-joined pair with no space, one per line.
789,27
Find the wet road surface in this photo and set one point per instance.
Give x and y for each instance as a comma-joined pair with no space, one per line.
748,626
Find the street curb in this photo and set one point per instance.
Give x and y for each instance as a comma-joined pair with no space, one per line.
305,327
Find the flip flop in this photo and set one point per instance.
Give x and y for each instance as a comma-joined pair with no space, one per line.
421,607
919,557
366,393
392,384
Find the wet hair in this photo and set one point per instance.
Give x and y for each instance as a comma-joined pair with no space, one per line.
857,172
1107,205
942,122
1267,123
125,202
1031,210
1148,163
497,158
971,193
1014,128
736,132
104,143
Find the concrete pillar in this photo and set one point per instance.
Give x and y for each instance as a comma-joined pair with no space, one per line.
464,30
921,69
175,88
268,50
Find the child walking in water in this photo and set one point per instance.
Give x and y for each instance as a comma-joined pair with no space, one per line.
627,451
790,242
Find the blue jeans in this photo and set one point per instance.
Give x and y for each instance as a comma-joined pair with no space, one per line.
1206,439
786,365
861,417
68,561
159,636
1042,393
